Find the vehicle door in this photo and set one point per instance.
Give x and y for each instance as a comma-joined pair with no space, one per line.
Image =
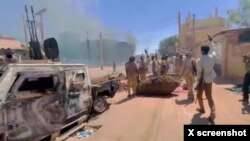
35,105
79,93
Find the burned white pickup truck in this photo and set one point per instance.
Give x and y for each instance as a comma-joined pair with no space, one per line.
39,99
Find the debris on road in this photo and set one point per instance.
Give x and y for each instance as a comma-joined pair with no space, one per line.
158,85
235,88
87,131
85,134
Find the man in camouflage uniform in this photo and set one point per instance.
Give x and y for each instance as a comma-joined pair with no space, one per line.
164,65
189,74
143,68
178,64
132,75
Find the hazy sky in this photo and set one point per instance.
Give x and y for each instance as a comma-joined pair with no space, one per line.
149,20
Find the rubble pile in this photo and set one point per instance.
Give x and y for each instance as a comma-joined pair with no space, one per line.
158,85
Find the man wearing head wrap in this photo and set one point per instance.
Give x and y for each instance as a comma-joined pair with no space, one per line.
132,75
188,73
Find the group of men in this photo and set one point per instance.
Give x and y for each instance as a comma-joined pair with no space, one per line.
138,72
191,69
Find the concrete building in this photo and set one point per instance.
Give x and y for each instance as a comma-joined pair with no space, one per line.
194,31
233,43
9,43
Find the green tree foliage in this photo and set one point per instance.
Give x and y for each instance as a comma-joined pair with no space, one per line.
167,45
240,17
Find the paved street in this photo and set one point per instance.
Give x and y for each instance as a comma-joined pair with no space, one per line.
162,118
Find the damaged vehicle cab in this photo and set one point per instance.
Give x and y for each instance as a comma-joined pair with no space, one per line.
39,99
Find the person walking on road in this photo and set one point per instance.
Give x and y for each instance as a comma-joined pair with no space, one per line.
189,74
205,76
132,75
246,81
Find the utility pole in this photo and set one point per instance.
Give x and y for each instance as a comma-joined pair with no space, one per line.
101,51
88,47
41,14
179,25
193,30
25,31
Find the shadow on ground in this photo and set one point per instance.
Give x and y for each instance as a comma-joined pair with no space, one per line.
246,108
158,96
124,100
198,120
184,102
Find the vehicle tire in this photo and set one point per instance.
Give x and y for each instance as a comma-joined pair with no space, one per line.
100,105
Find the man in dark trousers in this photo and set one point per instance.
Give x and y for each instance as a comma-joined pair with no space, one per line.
206,76
246,82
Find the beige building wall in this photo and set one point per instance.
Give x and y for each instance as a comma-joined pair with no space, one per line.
232,65
193,38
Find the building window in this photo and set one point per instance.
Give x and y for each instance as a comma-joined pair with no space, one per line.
244,37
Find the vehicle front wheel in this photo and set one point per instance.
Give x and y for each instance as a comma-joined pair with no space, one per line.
100,105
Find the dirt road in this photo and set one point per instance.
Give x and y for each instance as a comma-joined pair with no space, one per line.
162,118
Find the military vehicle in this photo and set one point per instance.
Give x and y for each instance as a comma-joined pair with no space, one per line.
41,96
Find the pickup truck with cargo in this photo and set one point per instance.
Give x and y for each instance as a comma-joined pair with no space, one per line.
37,100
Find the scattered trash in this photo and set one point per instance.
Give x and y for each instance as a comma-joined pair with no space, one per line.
235,88
87,131
85,134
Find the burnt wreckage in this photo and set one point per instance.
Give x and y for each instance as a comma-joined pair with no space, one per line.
38,97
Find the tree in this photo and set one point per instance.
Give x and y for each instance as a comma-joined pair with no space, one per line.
240,17
167,45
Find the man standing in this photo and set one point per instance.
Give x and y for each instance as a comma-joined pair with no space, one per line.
132,75
143,69
189,74
206,76
164,65
178,64
246,82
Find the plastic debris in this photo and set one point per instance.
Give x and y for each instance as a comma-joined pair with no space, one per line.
85,133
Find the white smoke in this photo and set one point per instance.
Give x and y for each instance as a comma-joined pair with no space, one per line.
71,16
